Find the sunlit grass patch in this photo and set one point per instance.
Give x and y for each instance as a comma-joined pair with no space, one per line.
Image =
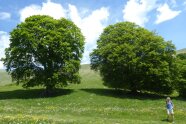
24,119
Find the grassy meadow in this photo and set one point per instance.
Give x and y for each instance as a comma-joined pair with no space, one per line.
87,103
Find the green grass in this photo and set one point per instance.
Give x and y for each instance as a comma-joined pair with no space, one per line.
86,103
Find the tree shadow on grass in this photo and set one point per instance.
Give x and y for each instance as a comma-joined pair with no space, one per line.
124,94
32,93
179,98
164,120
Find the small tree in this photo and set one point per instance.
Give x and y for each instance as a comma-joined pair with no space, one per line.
131,57
45,51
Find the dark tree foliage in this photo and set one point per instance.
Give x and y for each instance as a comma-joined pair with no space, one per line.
45,51
131,57
182,56
182,66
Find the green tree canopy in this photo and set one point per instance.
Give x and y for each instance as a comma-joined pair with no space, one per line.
131,57
182,67
45,51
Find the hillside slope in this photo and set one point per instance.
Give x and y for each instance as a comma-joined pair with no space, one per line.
181,51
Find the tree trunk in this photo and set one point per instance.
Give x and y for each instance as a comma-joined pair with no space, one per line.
134,92
48,92
134,89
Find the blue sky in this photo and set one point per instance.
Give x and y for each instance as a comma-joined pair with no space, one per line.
166,17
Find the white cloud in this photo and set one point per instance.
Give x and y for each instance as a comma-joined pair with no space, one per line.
4,15
173,3
137,11
184,3
91,27
49,8
4,43
165,13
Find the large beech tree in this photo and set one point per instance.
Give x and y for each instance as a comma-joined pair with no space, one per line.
131,57
45,51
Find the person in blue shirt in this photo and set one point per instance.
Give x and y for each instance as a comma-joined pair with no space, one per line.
170,112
